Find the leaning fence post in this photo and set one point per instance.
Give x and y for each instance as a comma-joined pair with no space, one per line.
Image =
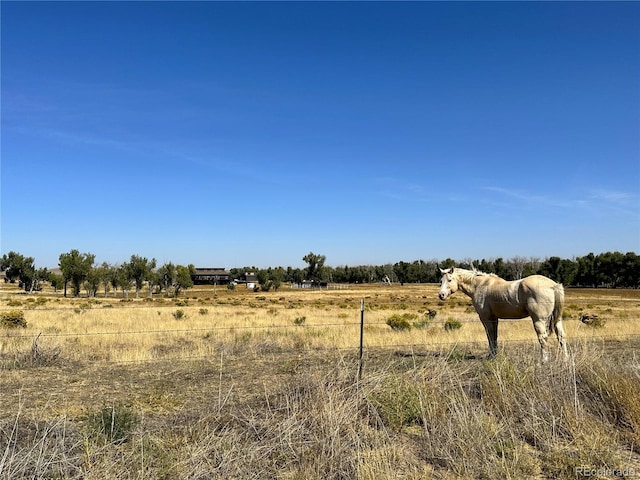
360,360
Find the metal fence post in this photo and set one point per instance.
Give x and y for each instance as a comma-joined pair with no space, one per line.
360,361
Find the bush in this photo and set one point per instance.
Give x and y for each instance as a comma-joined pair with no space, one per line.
452,324
113,423
398,401
179,314
299,320
13,319
401,321
592,321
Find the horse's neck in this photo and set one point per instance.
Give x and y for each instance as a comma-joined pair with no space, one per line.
468,286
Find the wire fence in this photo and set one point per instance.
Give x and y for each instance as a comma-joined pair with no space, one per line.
213,328
350,328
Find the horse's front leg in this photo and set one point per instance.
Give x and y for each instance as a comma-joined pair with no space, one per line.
490,324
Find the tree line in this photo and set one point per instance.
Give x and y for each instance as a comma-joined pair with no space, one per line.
610,269
79,271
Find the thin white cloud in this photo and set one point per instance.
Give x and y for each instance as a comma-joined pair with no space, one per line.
530,199
594,201
613,196
396,189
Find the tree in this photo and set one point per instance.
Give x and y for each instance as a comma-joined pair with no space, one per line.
12,264
183,278
92,283
630,270
140,270
587,276
401,269
276,278
561,270
75,267
517,267
316,266
610,268
21,268
294,275
123,280
166,277
109,278
56,281
551,268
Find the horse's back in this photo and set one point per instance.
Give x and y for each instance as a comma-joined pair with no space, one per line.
535,282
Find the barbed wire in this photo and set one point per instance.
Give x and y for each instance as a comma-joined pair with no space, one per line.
395,303
399,349
427,324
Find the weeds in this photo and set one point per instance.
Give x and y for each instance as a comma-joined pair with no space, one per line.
401,321
13,319
250,395
111,423
452,324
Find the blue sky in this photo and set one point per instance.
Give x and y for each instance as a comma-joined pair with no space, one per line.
240,133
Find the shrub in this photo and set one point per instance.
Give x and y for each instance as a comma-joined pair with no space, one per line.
13,319
43,356
452,324
179,314
299,320
425,320
593,321
113,423
203,311
398,402
401,321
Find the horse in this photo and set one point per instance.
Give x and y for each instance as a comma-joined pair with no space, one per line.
493,297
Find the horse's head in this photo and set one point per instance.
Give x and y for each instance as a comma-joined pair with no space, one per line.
448,285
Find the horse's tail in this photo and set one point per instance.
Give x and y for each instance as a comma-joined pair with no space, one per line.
558,305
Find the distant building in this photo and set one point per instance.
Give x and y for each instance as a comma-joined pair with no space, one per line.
312,284
211,276
249,279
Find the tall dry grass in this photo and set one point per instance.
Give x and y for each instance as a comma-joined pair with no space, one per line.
259,385
201,324
430,417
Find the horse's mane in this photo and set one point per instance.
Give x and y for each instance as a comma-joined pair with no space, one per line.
474,272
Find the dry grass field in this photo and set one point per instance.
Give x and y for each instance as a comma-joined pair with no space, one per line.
237,384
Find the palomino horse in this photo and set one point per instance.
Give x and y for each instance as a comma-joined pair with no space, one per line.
493,297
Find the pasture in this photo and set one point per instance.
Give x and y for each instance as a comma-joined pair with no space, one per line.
238,384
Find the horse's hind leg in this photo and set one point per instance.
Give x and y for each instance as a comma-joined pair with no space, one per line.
541,330
559,327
